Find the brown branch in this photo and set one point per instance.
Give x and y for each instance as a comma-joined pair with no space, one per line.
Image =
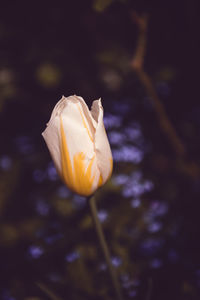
137,66
47,291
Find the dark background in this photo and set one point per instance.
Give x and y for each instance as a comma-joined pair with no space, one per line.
150,208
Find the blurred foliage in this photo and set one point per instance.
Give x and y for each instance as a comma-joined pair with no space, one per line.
48,75
100,6
150,208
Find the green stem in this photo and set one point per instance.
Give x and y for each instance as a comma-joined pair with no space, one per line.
104,248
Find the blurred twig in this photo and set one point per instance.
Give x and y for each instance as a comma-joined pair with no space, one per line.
137,66
189,168
47,291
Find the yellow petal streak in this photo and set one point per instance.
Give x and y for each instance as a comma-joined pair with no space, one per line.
78,177
100,181
85,124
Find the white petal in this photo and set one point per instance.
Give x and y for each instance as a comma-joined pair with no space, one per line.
58,109
87,113
51,136
78,128
79,133
102,147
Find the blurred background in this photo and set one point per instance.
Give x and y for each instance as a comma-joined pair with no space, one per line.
141,58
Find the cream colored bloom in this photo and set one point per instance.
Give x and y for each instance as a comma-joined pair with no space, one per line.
78,144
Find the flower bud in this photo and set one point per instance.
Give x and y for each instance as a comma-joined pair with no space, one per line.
78,144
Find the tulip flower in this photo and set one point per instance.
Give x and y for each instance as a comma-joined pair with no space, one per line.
78,144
